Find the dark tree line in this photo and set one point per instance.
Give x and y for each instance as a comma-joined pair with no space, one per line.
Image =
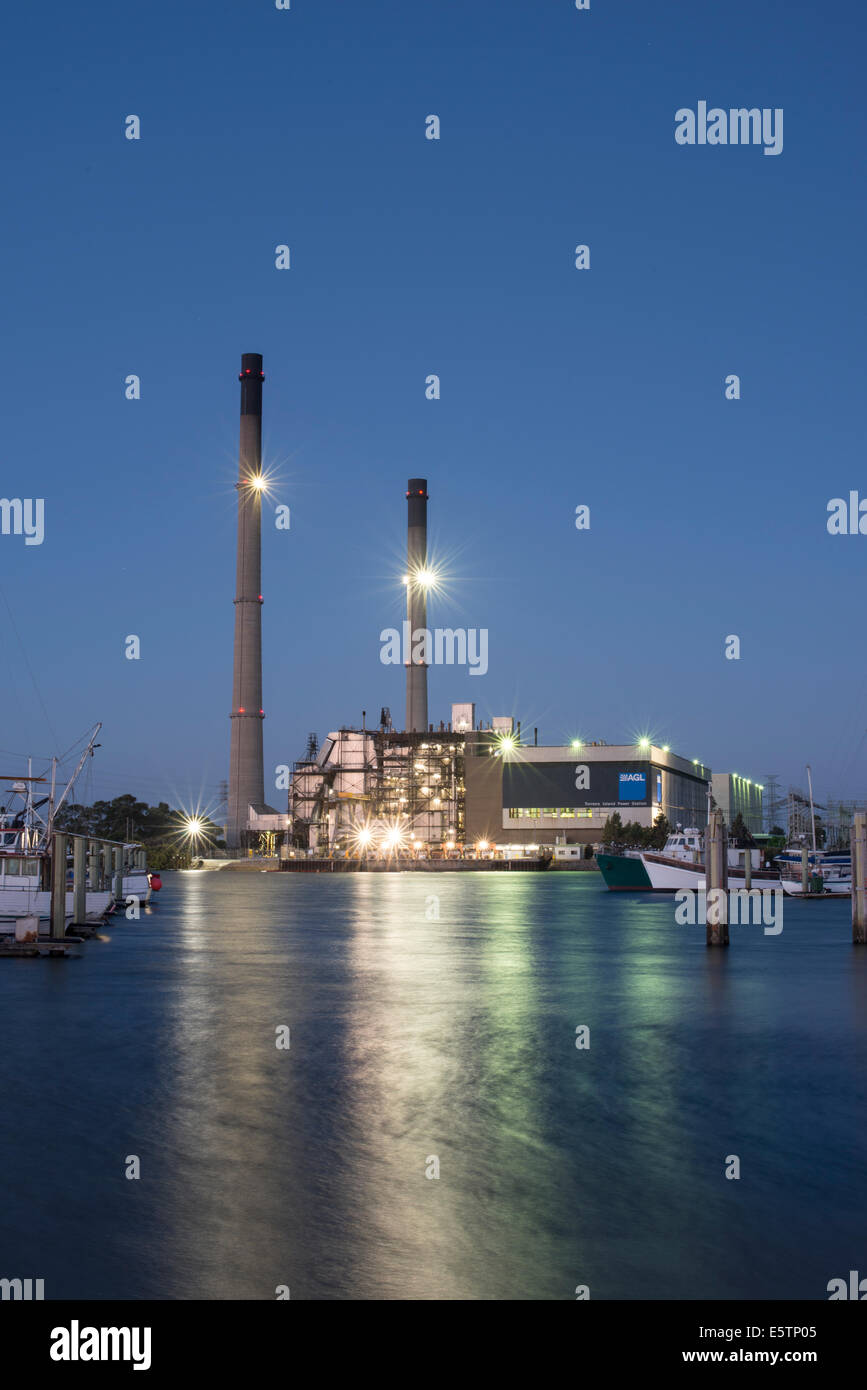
635,836
161,829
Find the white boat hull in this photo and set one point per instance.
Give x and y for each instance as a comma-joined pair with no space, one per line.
25,901
137,885
834,888
668,876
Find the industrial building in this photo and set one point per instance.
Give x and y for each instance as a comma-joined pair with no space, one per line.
564,795
739,796
464,787
369,789
432,790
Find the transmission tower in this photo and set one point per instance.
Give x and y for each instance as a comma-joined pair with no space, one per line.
773,801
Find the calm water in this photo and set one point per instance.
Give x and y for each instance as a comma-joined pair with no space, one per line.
455,1038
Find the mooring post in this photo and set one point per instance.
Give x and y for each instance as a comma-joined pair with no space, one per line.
93,866
859,879
716,881
79,880
105,856
805,870
117,881
58,887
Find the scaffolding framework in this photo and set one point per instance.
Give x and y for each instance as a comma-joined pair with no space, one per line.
381,780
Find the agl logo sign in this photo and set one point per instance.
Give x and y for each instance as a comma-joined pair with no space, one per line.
633,786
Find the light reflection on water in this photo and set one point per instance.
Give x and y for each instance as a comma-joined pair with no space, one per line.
454,1038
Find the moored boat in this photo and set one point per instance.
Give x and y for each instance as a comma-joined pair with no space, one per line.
27,847
623,873
824,881
680,864
627,871
23,875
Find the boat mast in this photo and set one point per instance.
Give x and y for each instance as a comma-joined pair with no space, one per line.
82,760
28,813
51,795
812,812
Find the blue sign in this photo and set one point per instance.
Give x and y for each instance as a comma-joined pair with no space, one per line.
633,786
659,787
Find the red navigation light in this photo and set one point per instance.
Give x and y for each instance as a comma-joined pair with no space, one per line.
261,711
260,598
241,709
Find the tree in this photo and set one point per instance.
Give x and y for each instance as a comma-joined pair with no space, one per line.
160,829
657,836
740,833
612,831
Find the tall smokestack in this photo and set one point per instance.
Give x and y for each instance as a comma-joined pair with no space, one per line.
416,601
246,770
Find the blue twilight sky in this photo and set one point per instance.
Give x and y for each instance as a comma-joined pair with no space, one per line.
456,257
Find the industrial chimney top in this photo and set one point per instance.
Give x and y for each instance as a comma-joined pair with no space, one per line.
251,366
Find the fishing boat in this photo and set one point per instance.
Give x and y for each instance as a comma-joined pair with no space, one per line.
25,877
680,864
829,871
624,872
26,853
823,858
627,871
826,879
136,881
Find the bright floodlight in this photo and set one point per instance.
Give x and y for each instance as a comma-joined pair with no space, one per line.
365,836
482,845
194,826
506,743
576,743
426,578
644,743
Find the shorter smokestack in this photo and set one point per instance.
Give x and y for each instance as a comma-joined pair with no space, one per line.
416,602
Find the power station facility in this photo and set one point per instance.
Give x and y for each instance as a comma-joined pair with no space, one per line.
432,790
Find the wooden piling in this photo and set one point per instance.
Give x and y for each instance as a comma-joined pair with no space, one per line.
859,879
805,870
79,880
93,866
716,881
117,877
58,887
748,869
